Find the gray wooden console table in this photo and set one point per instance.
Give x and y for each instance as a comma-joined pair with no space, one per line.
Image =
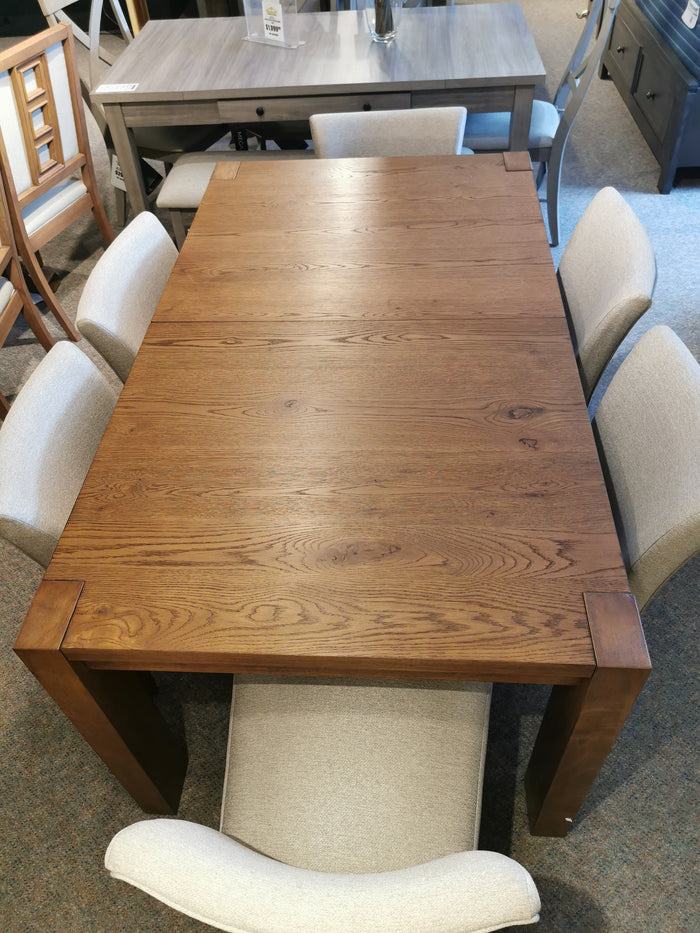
203,71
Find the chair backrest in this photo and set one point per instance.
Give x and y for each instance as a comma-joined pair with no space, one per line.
422,131
43,136
648,429
14,295
55,12
584,60
373,786
355,776
47,443
607,274
123,289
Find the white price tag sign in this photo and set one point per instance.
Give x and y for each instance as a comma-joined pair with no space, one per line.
690,16
115,88
273,22
117,178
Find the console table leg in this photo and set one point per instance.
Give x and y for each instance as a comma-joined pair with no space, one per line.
582,722
113,710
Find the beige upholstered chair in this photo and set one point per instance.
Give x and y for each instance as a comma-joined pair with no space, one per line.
428,131
607,275
162,144
47,443
45,159
14,296
551,123
348,806
423,131
123,289
648,429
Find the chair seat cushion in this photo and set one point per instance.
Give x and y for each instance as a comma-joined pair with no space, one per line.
208,876
51,204
184,186
6,292
491,131
392,770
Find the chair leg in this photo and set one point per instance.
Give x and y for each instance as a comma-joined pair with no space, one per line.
120,203
29,311
40,281
539,175
553,180
33,319
178,227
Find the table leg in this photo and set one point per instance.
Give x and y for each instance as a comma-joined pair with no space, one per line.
520,121
123,141
582,722
113,710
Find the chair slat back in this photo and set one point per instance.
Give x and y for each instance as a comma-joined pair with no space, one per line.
41,119
586,56
52,8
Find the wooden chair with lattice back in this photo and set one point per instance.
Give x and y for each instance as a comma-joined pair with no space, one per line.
158,143
14,295
45,159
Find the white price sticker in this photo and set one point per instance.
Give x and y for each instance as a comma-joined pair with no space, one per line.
115,88
273,22
690,16
117,178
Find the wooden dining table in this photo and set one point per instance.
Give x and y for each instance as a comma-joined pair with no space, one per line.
353,443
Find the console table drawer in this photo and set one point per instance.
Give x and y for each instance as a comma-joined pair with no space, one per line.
624,51
301,108
656,91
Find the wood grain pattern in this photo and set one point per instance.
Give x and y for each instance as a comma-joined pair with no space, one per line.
439,47
581,723
481,56
354,442
113,711
350,485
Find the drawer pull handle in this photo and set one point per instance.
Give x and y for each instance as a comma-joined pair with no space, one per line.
650,95
366,106
620,50
260,111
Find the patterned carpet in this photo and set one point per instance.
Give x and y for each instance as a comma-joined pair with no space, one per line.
630,863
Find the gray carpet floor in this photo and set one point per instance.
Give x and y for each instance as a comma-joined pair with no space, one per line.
630,862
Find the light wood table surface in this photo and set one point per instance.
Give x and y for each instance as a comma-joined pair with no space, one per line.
354,443
202,71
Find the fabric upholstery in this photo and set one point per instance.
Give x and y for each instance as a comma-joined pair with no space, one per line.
184,186
607,273
51,204
123,291
648,425
6,292
12,137
47,443
56,60
391,771
421,131
213,878
491,131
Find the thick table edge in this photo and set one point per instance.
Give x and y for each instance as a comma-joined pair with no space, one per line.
517,161
48,618
616,632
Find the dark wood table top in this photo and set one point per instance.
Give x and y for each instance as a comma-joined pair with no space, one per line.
353,442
